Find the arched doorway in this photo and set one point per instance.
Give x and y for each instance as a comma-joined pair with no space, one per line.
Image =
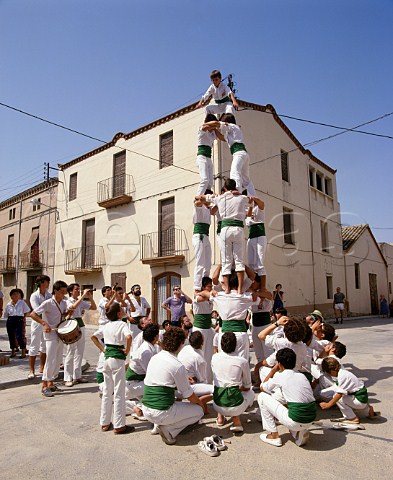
162,289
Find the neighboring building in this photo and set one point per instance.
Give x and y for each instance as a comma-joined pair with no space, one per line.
125,212
366,270
387,251
27,237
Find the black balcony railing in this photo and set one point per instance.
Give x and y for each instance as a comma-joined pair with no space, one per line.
31,260
167,246
84,259
115,190
7,263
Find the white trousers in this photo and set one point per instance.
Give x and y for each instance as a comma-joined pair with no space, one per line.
207,349
114,384
242,344
203,258
73,358
256,248
37,342
203,389
174,420
134,389
205,166
220,108
348,403
240,172
232,249
54,357
271,409
236,411
260,349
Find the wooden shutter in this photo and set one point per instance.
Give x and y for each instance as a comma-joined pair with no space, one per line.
119,279
119,174
35,247
89,243
284,166
167,227
166,149
10,252
73,186
287,220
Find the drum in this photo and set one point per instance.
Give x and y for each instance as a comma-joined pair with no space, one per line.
69,331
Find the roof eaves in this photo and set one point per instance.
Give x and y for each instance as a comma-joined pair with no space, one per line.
41,187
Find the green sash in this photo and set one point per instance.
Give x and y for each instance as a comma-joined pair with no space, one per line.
302,412
256,230
238,147
219,226
308,376
202,229
231,223
223,100
202,320
234,326
205,151
131,375
260,319
81,323
99,377
361,395
227,396
157,397
115,351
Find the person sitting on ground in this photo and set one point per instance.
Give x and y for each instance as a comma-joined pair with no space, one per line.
300,410
324,386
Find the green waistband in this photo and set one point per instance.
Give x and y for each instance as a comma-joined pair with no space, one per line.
158,397
256,230
260,319
115,351
81,323
238,147
231,223
205,151
302,412
223,100
361,395
99,377
227,396
219,226
202,320
131,375
234,326
201,228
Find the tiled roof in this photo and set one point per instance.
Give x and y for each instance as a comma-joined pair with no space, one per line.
351,234
41,187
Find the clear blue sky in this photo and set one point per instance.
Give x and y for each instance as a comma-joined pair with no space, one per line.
104,66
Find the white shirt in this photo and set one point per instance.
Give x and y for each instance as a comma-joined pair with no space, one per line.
205,137
201,215
194,363
265,306
294,386
202,308
232,133
116,333
52,313
230,370
277,343
141,357
78,312
218,93
233,306
36,298
166,370
258,216
232,207
101,308
17,310
140,310
347,383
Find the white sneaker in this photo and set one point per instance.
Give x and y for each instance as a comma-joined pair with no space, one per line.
277,442
236,428
155,430
218,442
138,417
70,383
302,438
208,447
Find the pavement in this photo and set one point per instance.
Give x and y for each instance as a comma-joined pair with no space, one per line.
60,437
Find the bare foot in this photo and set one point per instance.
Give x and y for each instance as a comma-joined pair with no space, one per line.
138,411
371,412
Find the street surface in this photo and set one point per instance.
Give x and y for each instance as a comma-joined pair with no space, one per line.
60,437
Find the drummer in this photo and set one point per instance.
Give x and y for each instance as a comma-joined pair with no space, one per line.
74,351
52,311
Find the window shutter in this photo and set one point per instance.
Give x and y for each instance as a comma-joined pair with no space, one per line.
166,149
73,187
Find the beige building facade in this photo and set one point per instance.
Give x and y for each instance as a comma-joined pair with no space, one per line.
125,210
27,237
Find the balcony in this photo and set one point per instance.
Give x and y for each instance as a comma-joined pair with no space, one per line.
115,191
163,248
31,260
84,260
7,263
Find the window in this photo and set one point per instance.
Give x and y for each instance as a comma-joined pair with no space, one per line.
166,227
73,187
319,182
284,166
357,276
163,287
37,206
166,149
12,214
311,174
328,187
119,174
88,251
288,226
324,237
10,252
119,279
329,286
390,288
